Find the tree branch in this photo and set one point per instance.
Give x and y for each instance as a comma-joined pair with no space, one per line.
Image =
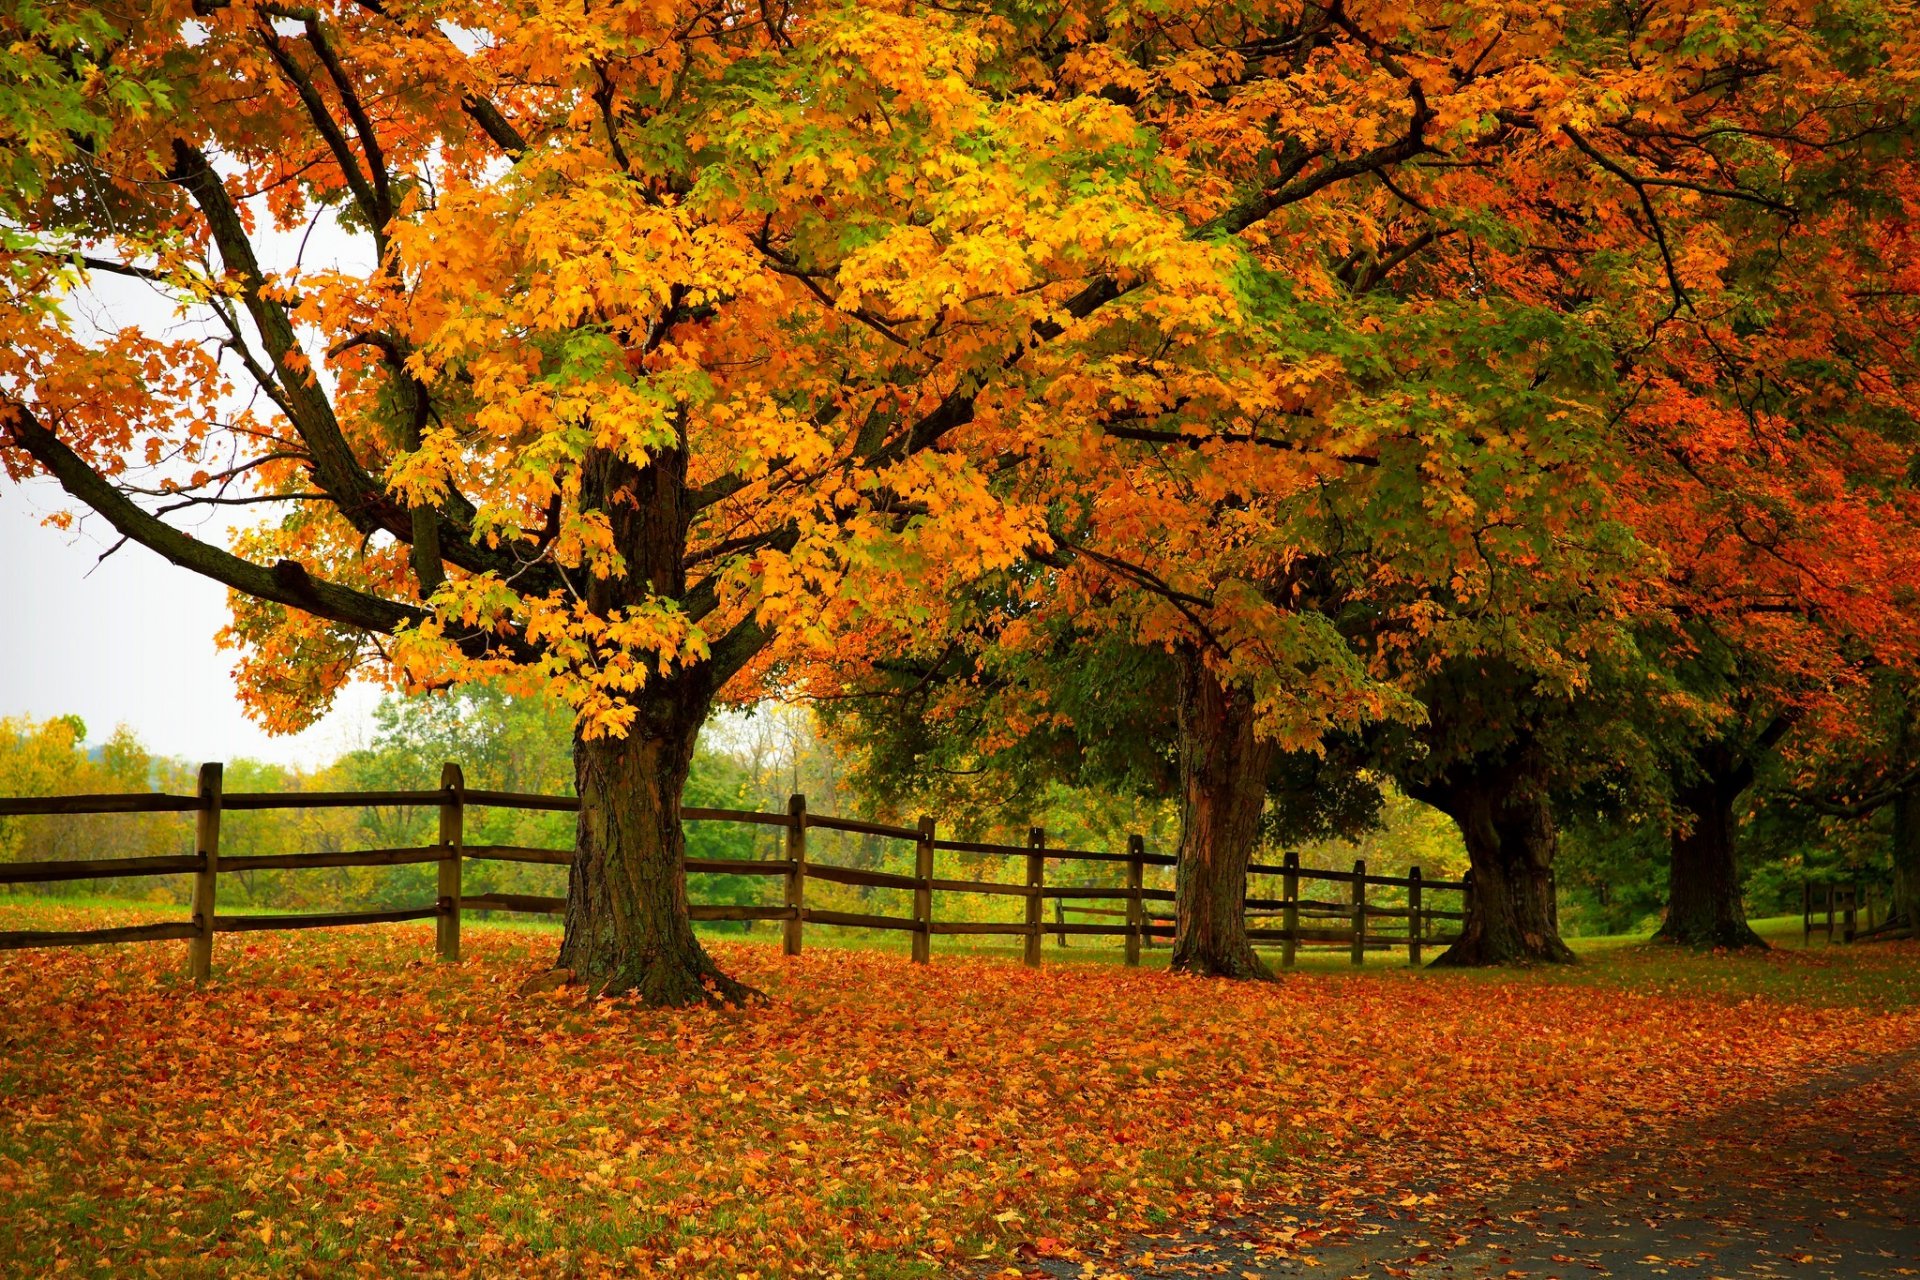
324,599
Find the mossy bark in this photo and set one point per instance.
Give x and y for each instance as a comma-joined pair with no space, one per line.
1506,821
628,931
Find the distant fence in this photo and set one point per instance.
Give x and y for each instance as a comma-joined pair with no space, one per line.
1844,906
1290,920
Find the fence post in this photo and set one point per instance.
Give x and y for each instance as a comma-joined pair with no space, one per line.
1290,909
452,838
1829,913
1359,910
1806,913
1036,878
923,893
1851,901
1414,921
1136,910
797,873
206,881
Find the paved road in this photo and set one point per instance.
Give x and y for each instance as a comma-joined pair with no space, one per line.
1818,1181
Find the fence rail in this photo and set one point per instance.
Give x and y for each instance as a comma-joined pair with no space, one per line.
1348,924
1849,910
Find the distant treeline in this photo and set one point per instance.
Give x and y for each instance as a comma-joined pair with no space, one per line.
1611,880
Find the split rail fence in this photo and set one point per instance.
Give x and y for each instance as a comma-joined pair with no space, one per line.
1844,905
1349,922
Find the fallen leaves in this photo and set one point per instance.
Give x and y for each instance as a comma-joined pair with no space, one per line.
328,1100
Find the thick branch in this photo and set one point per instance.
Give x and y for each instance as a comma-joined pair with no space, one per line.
1193,440
364,505
294,588
1859,807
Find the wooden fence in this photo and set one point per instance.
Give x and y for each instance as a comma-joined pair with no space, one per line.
1289,920
1843,905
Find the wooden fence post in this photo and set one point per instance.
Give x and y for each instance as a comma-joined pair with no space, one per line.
1036,879
1359,911
1290,908
1136,910
1806,913
797,873
206,880
452,837
1414,921
1850,903
923,893
1829,913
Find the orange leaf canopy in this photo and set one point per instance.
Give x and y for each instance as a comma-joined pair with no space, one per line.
854,303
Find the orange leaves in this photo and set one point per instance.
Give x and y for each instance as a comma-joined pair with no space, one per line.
1268,312
371,1106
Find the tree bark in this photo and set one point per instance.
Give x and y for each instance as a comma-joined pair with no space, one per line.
628,930
1703,876
1507,822
1223,788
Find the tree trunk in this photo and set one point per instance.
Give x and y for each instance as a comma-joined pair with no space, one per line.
1223,788
1906,857
627,929
1703,877
1507,823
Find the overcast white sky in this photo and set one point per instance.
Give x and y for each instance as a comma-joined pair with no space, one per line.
131,642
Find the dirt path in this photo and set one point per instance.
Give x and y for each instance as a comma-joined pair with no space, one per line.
1822,1180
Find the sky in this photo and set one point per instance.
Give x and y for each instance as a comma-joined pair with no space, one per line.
130,641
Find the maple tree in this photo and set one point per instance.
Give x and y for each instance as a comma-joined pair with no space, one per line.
687,341
1757,295
1500,367
668,320
1771,471
1758,298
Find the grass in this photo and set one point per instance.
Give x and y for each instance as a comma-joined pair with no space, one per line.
1874,975
337,1101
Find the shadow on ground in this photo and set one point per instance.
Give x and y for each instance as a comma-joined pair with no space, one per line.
1820,1180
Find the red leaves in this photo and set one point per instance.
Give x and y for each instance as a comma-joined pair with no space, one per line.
876,1119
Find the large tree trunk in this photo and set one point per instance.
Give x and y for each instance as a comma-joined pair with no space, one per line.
1703,877
1223,788
1507,823
628,930
1906,857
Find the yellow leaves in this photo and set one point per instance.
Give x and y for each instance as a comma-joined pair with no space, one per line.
595,659
552,249
421,477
